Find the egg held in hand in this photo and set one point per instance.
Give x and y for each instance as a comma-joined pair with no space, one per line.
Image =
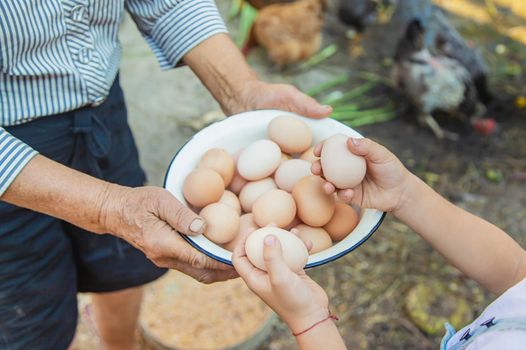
222,222
202,187
220,161
275,207
340,166
294,250
314,206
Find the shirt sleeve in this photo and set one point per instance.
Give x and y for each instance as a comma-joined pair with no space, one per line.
174,27
14,155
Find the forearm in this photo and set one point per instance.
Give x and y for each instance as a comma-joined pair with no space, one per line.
223,70
51,188
479,249
323,336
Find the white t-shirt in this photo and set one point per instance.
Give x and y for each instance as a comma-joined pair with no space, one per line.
510,305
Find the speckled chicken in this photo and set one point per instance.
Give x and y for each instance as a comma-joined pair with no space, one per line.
290,32
432,82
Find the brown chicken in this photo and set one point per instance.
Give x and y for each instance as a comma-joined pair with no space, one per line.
290,32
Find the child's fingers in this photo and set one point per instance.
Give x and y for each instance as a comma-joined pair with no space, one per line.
346,195
277,269
316,168
328,187
248,272
317,149
368,149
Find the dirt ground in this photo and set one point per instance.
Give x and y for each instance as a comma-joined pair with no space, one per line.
369,289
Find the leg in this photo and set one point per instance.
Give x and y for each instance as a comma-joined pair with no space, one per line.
115,315
428,120
107,266
38,286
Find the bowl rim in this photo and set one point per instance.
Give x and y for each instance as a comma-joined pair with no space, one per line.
229,262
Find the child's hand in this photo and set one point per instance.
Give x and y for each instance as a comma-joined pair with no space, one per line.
385,182
296,298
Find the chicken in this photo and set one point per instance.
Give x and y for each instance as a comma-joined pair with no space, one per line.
441,36
259,4
290,32
433,82
359,14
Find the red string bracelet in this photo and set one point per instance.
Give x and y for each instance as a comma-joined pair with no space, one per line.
330,317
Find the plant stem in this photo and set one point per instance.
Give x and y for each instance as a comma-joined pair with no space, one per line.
248,15
319,57
235,8
358,91
316,90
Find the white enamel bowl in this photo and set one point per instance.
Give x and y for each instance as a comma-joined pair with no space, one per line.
239,131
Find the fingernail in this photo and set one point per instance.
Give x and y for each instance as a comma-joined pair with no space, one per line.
270,240
197,226
327,107
355,141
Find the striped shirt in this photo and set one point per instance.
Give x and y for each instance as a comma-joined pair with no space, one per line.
60,55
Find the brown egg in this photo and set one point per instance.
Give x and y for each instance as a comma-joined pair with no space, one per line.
246,226
292,134
222,222
294,250
231,200
309,156
342,222
314,206
252,190
220,161
202,187
319,238
275,207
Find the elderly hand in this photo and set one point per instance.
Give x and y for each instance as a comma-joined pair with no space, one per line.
257,94
150,218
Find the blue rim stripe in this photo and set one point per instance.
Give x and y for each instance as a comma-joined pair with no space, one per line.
229,262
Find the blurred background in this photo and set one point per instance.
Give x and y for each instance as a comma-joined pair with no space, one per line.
393,292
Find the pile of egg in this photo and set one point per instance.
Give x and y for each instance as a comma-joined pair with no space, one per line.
268,188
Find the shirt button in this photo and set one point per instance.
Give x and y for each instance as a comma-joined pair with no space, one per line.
78,13
85,54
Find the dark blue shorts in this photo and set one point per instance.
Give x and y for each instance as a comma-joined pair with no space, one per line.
44,261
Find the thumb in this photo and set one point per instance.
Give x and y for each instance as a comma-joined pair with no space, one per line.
273,257
180,217
370,150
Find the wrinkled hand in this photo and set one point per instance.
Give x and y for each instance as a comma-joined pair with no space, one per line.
296,298
150,218
386,180
257,94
